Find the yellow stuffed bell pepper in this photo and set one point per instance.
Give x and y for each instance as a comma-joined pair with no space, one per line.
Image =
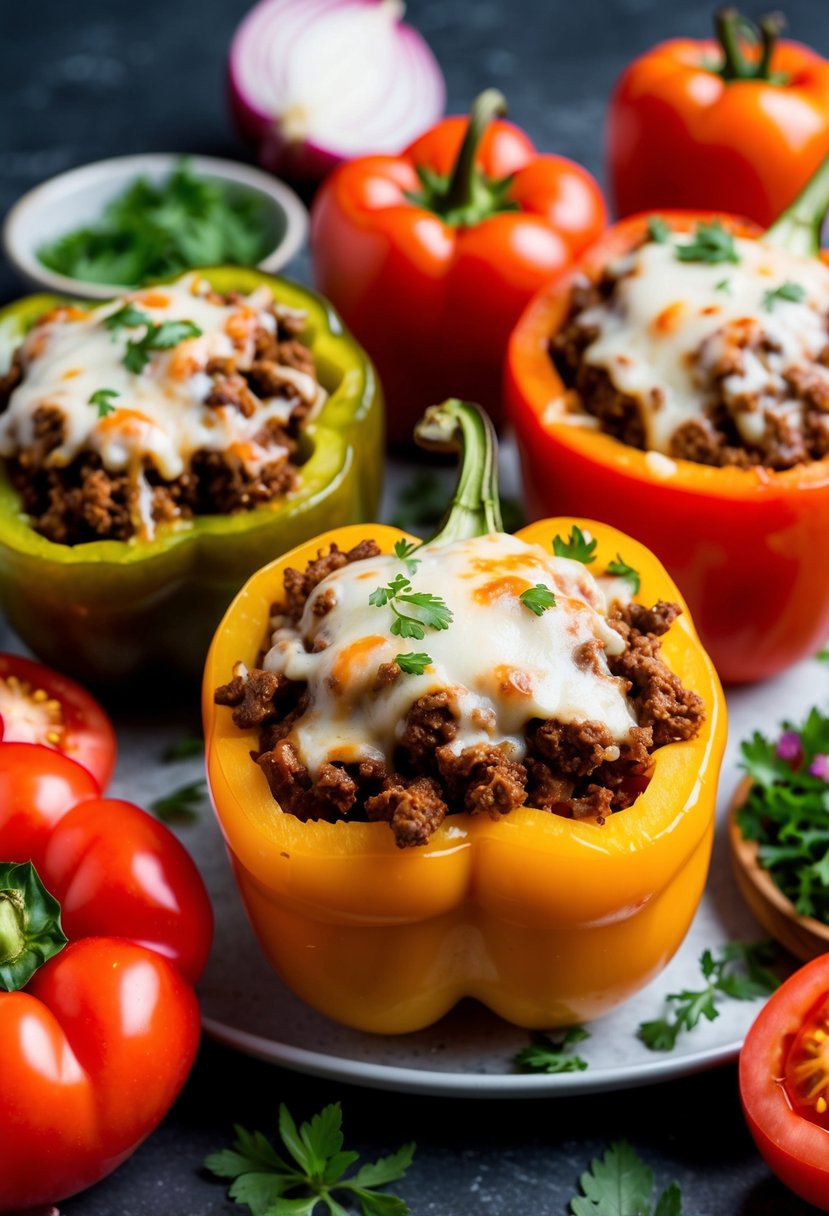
547,920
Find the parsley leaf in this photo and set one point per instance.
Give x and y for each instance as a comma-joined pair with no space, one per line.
658,230
157,337
538,599
621,1184
577,546
711,244
184,749
103,398
550,1055
787,810
792,293
414,664
723,285
620,569
183,804
127,317
431,612
403,549
740,971
271,1185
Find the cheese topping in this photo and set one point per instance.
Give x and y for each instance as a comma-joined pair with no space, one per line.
670,324
501,664
160,413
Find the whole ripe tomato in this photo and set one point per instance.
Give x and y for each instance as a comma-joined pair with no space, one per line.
784,1082
38,705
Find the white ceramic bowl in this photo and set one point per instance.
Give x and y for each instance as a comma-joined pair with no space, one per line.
77,198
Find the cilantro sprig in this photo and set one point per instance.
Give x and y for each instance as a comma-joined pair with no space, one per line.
658,230
621,1184
157,337
413,663
127,317
183,804
787,810
184,748
312,1174
740,971
620,569
430,611
102,399
538,599
788,292
711,244
577,546
552,1054
404,549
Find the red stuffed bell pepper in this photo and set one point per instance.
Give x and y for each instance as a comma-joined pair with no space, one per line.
98,1035
430,256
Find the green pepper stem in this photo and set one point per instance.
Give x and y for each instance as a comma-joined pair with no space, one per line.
463,427
30,931
460,192
732,28
12,935
799,227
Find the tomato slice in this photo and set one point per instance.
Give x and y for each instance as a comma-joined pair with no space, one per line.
38,705
784,1082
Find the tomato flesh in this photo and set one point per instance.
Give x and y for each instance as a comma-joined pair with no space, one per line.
784,1082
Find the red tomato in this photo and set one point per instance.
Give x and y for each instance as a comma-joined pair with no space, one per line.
38,705
784,1082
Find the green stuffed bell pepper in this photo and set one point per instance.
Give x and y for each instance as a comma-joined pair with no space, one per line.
108,609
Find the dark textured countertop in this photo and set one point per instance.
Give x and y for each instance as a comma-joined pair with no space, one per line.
88,79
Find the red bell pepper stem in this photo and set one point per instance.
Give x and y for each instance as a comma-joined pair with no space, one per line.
798,229
461,426
460,192
30,931
730,25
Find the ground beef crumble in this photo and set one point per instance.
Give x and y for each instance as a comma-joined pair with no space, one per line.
83,501
571,769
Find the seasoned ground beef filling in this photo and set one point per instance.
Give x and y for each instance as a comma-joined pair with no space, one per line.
85,501
756,406
570,768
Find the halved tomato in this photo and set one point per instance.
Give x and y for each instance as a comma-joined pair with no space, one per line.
784,1082
38,705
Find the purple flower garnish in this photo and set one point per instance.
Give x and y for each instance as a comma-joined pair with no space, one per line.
789,747
820,767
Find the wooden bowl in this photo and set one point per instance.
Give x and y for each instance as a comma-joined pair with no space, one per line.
803,936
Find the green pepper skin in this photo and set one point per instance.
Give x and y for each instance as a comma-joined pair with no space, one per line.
107,611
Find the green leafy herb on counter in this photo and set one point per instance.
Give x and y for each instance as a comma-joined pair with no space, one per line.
577,546
711,244
823,655
157,230
621,1184
551,1054
184,749
157,337
102,399
183,804
271,1185
740,971
787,810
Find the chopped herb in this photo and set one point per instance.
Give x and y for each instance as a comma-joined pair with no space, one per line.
658,230
182,805
413,664
711,244
403,549
620,569
791,293
103,398
157,337
787,810
724,285
184,749
432,611
155,231
550,1054
621,1184
822,655
538,599
577,546
127,317
740,971
271,1185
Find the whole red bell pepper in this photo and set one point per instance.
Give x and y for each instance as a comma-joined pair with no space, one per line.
431,256
738,124
99,1034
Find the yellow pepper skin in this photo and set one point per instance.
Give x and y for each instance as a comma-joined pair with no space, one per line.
547,920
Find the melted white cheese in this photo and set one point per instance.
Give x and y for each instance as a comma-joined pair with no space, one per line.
502,664
160,415
660,333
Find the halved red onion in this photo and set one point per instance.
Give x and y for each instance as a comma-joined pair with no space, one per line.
316,82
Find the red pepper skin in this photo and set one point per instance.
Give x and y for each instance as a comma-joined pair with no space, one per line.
679,135
432,303
744,545
100,1041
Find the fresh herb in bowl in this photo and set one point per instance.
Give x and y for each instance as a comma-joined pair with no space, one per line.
155,230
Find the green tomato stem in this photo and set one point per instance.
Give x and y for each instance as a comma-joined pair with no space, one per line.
463,427
30,931
732,29
12,933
